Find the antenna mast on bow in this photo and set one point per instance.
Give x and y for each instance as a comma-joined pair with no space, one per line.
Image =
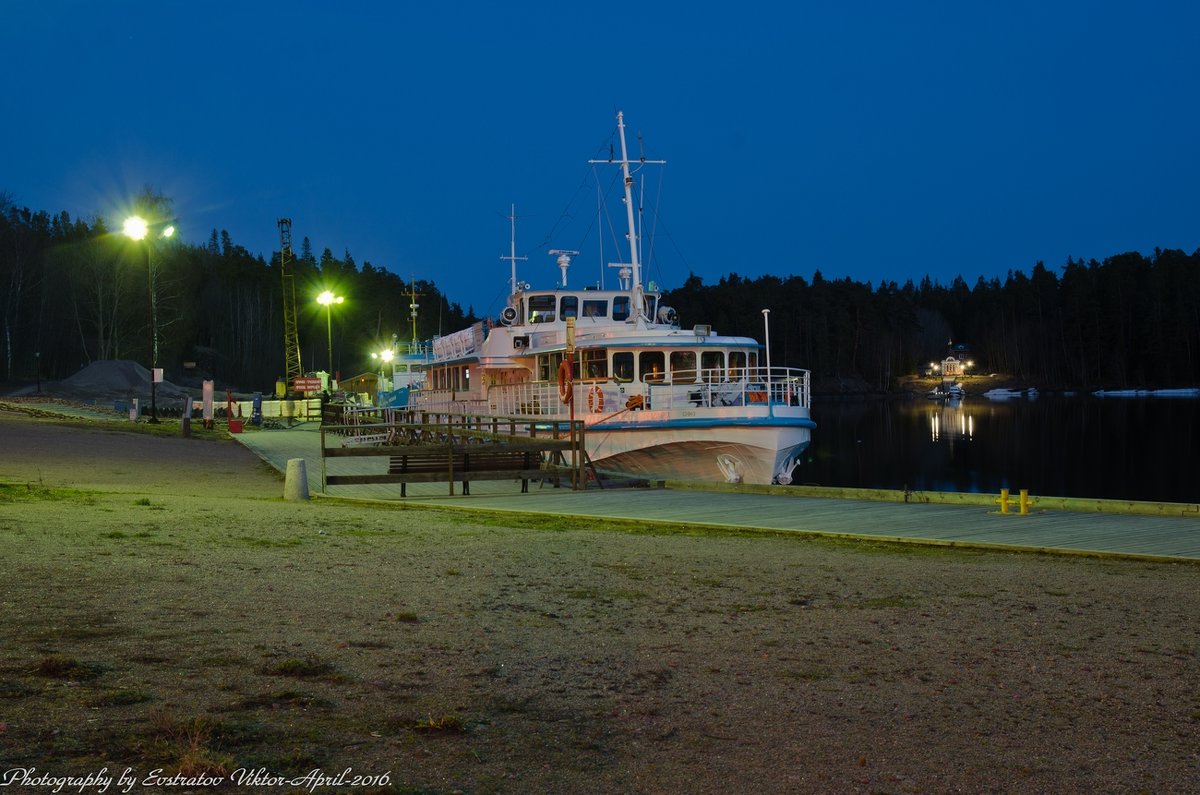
634,265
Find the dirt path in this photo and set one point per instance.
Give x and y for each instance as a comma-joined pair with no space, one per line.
163,608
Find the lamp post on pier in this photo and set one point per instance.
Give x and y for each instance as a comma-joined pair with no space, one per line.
137,228
328,299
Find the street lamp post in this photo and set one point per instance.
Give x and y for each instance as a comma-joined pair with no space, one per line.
136,228
767,339
328,299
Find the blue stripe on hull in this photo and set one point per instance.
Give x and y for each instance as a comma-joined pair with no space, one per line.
723,422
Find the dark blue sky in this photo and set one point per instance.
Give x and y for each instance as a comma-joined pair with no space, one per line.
870,140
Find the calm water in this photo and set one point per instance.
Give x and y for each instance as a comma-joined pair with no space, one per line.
1116,448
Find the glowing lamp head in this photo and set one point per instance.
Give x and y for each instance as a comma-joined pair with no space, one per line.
136,227
386,355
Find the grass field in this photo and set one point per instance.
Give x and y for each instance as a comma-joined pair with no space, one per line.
160,615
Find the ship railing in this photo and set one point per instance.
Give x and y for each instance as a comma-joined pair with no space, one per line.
460,344
755,386
777,387
451,400
423,350
529,399
786,386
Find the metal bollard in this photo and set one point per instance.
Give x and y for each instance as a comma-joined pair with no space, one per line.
1023,502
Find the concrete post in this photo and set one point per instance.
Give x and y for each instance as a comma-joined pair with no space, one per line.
295,482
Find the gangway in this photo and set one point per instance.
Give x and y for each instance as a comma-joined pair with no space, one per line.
424,446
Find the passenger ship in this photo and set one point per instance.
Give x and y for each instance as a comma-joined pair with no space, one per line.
658,401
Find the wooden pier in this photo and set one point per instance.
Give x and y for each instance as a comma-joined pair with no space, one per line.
961,520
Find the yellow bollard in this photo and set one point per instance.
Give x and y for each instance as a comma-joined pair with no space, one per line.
1024,502
1003,500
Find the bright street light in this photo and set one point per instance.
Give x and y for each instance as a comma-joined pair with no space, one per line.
137,228
328,299
385,358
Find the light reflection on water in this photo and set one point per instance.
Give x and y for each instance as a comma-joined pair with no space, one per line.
1078,446
950,419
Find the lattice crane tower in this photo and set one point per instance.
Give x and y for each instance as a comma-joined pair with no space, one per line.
291,333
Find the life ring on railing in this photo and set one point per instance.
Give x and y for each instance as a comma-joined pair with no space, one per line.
595,399
566,388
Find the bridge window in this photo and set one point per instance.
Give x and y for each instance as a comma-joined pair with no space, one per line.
594,308
541,308
621,307
568,307
623,366
652,366
594,364
548,366
737,365
683,366
712,365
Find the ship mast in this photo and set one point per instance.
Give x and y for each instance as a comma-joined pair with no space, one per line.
512,250
635,288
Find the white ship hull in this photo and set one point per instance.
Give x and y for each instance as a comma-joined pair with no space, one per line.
725,454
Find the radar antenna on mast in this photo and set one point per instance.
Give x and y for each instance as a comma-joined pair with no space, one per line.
564,261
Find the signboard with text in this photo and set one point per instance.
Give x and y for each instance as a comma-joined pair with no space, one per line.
307,385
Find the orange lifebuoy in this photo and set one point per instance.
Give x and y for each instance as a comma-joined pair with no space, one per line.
566,388
595,399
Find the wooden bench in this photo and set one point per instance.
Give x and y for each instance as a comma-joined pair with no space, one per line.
439,463
467,465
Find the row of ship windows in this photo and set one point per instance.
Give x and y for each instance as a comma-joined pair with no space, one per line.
654,367
599,364
549,307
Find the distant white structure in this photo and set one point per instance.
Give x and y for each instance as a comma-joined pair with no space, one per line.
955,365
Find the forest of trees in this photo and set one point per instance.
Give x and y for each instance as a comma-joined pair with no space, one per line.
1129,321
73,292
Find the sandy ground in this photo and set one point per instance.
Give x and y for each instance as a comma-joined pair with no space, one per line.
164,609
